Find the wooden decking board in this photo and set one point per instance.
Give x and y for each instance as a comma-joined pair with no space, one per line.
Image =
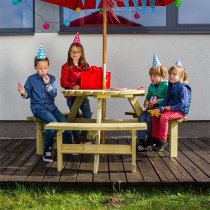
103,173
86,169
161,168
19,163
147,170
70,171
205,140
191,167
6,153
193,145
116,168
23,154
197,160
176,168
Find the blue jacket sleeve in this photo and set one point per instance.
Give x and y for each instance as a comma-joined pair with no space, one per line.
183,100
52,88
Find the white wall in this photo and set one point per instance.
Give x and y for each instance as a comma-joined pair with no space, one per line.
128,57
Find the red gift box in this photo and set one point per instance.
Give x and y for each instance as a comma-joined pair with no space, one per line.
92,79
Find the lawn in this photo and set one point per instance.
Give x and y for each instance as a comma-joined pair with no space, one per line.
47,198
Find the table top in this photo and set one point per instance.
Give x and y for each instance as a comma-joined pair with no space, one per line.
106,93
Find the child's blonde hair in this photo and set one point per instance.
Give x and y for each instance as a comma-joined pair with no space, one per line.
158,70
181,71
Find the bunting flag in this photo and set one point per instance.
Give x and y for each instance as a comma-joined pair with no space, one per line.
152,3
144,6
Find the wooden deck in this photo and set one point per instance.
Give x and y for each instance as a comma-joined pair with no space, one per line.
20,164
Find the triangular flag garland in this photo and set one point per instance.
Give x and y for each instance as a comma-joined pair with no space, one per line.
111,2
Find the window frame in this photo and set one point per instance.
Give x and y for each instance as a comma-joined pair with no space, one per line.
172,26
20,31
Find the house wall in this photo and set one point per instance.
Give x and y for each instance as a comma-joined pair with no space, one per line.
129,58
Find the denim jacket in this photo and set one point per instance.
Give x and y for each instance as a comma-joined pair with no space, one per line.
178,98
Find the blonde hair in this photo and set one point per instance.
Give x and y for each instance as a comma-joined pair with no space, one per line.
158,70
180,71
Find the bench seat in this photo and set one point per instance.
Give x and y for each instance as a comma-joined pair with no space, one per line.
96,148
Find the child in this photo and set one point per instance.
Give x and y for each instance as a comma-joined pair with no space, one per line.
71,78
175,106
155,95
41,89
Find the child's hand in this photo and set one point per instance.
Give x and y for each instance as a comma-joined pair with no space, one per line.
146,104
46,79
76,87
168,108
152,103
21,89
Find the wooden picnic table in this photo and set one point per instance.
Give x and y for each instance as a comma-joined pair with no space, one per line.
130,94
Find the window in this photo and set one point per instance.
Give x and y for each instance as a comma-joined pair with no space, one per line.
16,19
191,17
194,12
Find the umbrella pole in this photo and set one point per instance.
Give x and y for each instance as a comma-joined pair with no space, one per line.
104,62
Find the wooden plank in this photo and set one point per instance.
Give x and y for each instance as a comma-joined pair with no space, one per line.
197,160
103,171
17,158
95,149
70,171
96,126
8,154
161,168
191,143
146,169
202,143
190,167
116,170
176,168
85,173
135,105
126,160
205,140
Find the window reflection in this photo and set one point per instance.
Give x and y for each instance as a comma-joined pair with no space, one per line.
16,16
194,12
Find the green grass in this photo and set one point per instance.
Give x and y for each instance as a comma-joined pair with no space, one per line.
47,198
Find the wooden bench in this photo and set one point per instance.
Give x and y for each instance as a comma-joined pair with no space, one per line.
96,148
39,124
172,134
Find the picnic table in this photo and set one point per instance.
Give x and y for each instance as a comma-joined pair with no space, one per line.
129,94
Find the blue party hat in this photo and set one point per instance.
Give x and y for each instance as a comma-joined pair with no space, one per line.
156,61
41,53
178,63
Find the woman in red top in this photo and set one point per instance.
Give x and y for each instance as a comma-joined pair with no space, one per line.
71,78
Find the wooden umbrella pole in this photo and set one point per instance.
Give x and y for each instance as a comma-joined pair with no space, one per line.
104,63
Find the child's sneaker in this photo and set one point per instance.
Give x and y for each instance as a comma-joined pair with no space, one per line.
160,145
47,155
141,146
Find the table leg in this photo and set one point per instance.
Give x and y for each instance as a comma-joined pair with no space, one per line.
75,108
136,105
98,136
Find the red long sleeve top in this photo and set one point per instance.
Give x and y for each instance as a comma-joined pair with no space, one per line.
70,76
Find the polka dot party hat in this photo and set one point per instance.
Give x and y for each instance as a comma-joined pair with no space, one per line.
41,53
178,63
76,38
156,61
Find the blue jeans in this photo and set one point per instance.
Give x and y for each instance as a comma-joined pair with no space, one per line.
86,113
145,117
54,116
